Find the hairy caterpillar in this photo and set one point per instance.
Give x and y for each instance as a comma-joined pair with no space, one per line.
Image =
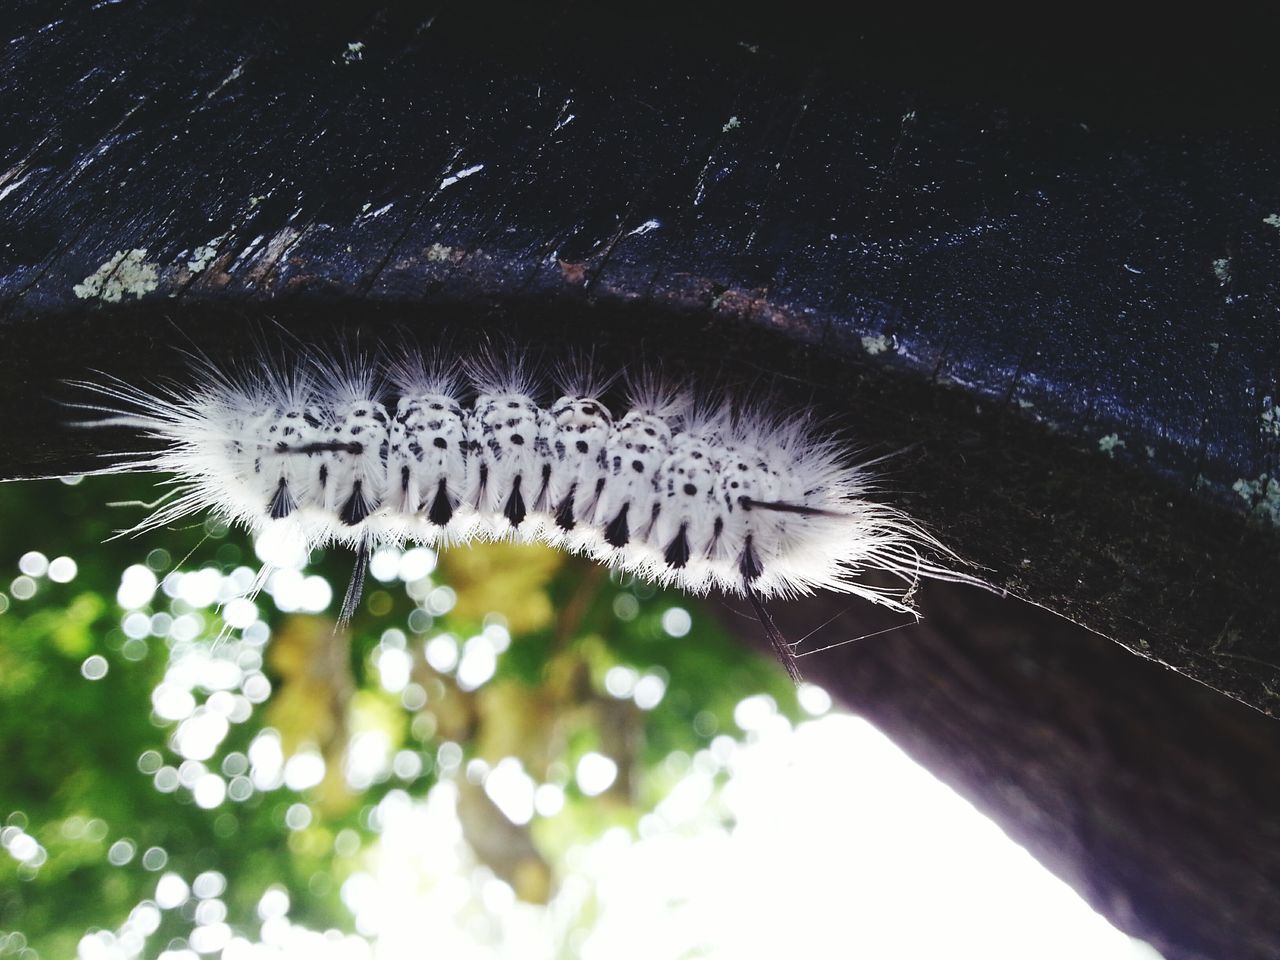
364,451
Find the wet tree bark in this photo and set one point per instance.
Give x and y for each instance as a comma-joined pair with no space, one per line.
1050,277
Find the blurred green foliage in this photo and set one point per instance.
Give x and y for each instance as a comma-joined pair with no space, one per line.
98,802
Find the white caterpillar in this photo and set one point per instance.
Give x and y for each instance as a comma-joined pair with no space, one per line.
707,497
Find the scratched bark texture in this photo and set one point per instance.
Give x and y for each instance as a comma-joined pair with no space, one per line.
1048,272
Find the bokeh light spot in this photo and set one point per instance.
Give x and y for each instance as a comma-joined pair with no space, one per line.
62,570
676,622
94,667
595,773
33,563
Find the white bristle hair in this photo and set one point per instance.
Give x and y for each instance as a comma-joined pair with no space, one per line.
683,489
